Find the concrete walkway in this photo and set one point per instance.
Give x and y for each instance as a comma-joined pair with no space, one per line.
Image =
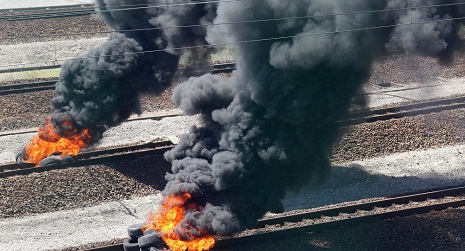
74,227
441,88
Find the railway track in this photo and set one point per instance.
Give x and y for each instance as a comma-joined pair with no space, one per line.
354,118
401,111
28,87
60,14
47,8
50,85
34,68
94,157
337,217
81,10
98,156
366,116
156,116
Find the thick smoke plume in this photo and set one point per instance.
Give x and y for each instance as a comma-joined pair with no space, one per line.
101,89
270,127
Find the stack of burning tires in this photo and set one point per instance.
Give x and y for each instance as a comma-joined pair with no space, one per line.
140,240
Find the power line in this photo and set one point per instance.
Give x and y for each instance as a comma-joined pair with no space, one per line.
147,6
169,5
137,7
251,41
239,22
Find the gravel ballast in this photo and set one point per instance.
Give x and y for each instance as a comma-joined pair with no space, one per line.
51,29
90,185
28,110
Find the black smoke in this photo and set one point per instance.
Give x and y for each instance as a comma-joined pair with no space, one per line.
101,89
270,127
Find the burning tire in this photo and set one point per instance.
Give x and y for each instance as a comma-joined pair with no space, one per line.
151,240
21,162
150,231
54,160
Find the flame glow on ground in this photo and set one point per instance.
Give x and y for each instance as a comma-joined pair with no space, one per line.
48,142
168,216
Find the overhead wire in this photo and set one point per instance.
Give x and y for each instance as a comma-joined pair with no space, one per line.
112,9
225,44
263,39
124,7
239,22
139,7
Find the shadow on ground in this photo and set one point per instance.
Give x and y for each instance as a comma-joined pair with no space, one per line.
430,232
148,170
352,183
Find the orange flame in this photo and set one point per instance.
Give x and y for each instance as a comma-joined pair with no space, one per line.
47,142
168,216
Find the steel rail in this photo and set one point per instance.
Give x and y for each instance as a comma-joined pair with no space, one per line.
93,158
355,118
27,87
401,111
47,15
282,233
335,224
50,85
455,191
367,116
11,169
45,8
33,68
157,116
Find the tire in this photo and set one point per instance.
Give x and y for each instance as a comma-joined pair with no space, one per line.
150,231
131,245
54,160
151,240
21,163
135,230
153,249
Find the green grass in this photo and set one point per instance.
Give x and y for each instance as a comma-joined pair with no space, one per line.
25,75
226,55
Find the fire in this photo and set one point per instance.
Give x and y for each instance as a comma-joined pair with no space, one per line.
168,216
47,142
